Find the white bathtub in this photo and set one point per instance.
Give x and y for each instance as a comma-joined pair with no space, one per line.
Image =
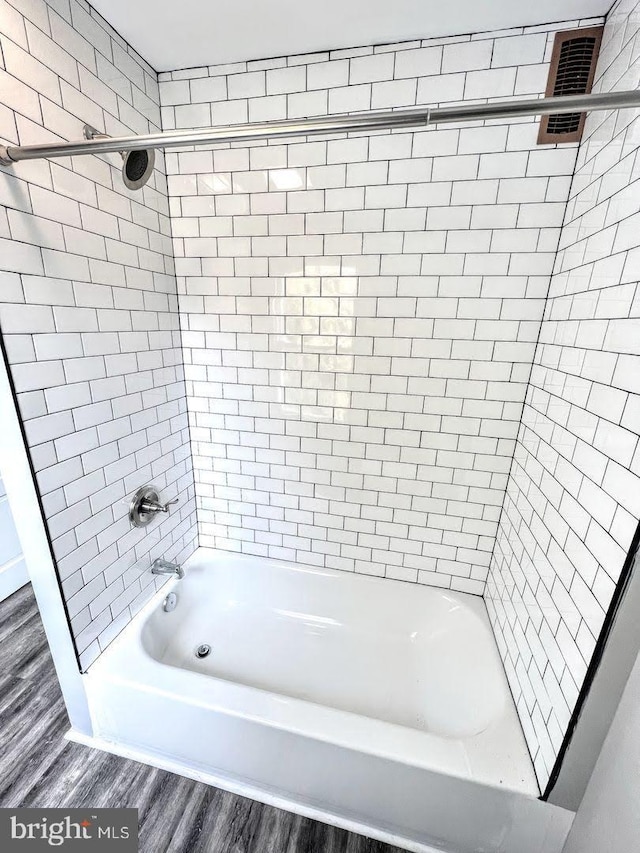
372,704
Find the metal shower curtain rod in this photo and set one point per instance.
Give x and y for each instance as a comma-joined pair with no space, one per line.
362,122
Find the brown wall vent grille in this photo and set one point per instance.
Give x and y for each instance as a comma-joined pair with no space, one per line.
573,65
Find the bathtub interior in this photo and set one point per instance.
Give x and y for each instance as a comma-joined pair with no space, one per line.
425,660
383,668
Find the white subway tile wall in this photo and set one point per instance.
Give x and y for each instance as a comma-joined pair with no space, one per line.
88,311
573,495
360,321
360,314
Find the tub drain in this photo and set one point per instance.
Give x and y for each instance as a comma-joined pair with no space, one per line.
203,650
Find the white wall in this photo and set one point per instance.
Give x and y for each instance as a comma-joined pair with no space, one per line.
30,526
13,570
88,311
614,665
360,315
573,498
608,817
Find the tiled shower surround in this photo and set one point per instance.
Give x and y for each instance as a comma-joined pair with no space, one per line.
88,311
360,314
573,496
360,321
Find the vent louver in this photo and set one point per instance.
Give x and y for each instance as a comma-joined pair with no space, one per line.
573,65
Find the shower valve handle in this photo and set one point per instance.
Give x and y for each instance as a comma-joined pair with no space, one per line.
156,506
146,504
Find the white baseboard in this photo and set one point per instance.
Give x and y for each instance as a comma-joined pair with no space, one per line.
12,577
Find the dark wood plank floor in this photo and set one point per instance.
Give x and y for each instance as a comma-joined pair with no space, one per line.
39,768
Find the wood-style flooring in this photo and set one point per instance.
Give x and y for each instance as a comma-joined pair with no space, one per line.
39,768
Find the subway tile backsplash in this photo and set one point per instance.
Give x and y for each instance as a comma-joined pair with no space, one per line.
572,500
88,310
407,354
360,314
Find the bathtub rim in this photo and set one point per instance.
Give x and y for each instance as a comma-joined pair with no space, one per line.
127,662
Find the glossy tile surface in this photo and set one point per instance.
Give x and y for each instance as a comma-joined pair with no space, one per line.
88,309
573,496
359,316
